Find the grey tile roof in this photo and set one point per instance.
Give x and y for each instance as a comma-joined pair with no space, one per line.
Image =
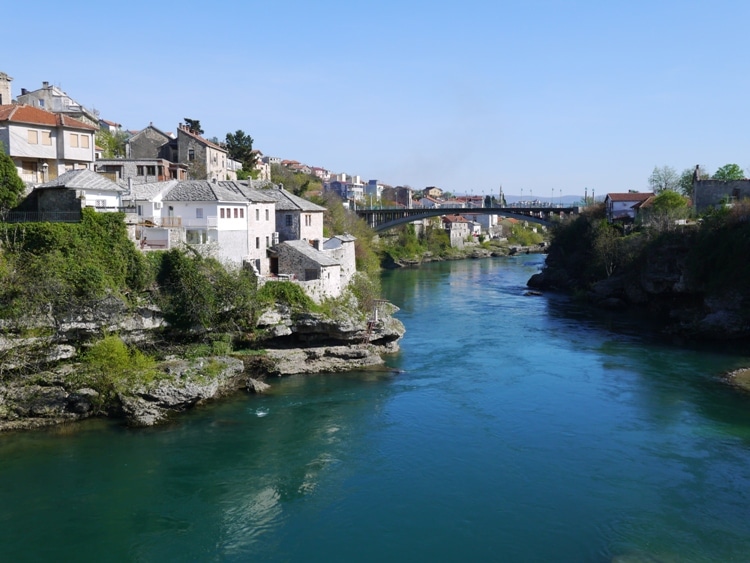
286,201
346,237
303,247
203,190
83,179
150,190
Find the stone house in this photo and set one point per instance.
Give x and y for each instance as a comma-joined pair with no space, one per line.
341,248
318,273
203,155
296,218
44,145
140,171
89,188
149,143
715,193
623,206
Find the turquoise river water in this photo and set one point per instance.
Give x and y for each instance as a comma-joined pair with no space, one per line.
513,428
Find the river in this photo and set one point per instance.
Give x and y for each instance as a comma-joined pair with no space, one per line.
516,428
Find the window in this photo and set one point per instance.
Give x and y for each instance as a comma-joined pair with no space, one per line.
242,212
46,138
84,141
191,154
100,203
236,212
288,220
33,137
199,213
257,214
151,170
139,170
266,214
257,242
74,140
268,242
221,212
195,237
308,220
41,103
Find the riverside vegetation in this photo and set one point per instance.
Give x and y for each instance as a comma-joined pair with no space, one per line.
690,275
89,325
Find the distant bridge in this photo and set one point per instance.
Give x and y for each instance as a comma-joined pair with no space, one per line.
384,219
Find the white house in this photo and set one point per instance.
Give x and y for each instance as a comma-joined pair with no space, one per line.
622,206
91,189
296,218
341,248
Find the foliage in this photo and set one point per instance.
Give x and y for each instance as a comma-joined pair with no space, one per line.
197,170
366,289
194,125
11,185
663,178
669,200
297,183
685,182
112,144
240,148
110,367
198,292
59,265
729,172
524,236
287,293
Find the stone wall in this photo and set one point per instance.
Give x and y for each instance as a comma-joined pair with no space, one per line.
713,193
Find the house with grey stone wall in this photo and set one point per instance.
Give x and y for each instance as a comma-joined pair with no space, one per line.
317,272
341,249
715,193
151,142
296,218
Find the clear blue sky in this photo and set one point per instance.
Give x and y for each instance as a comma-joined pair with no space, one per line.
535,95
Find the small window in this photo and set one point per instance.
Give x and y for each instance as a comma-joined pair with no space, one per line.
257,214
33,137
139,171
308,220
74,140
46,138
221,212
268,242
199,213
257,242
236,212
288,220
191,154
242,212
267,216
41,103
84,141
151,170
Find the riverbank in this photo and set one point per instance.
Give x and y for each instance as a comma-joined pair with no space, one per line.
48,379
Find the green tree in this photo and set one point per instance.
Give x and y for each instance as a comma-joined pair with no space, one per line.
112,144
11,185
729,172
663,178
666,209
240,147
686,182
194,125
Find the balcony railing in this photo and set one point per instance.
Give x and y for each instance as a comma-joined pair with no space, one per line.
177,222
42,217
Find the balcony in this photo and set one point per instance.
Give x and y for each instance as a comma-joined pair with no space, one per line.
180,222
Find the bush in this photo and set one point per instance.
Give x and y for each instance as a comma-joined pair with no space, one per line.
285,292
111,367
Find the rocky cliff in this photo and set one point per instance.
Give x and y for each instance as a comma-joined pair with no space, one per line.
39,387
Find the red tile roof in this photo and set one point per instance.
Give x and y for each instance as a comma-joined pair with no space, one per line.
21,113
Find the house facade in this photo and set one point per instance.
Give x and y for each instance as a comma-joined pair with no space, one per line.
51,98
317,272
203,157
623,206
43,145
140,170
296,218
91,190
458,229
151,142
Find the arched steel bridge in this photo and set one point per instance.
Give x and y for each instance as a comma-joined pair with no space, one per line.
384,219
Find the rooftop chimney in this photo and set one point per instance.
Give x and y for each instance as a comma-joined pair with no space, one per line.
45,84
